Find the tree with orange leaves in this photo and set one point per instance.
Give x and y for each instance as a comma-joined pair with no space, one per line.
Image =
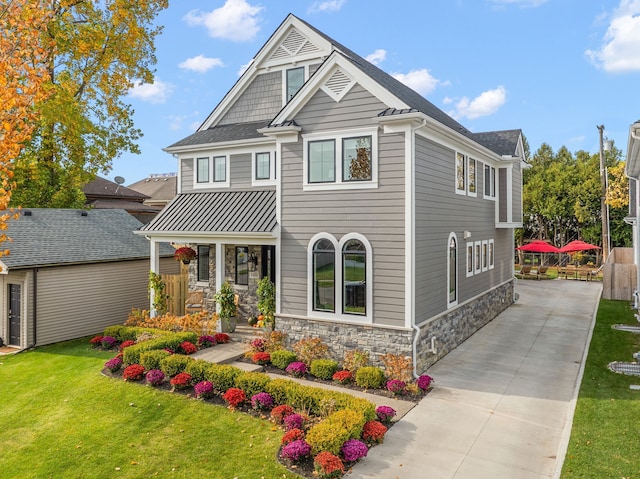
23,80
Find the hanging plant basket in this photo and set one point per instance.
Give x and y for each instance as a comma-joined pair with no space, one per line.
185,254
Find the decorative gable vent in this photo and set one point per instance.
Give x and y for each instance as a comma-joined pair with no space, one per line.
338,85
294,44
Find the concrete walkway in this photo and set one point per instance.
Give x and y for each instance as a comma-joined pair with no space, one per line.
503,401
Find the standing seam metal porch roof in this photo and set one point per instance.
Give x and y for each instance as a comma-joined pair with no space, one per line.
217,212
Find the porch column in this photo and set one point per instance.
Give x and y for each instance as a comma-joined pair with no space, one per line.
155,268
220,273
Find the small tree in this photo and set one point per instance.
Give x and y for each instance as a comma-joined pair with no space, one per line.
267,301
225,298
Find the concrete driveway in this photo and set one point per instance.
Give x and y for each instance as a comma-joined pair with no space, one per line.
503,401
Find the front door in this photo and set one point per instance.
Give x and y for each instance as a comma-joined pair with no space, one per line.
269,262
14,314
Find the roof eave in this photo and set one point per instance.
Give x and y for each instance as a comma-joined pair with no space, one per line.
215,146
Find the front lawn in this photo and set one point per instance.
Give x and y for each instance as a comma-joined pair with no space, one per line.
61,419
604,437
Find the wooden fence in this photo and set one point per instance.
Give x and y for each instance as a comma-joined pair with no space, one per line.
176,287
619,275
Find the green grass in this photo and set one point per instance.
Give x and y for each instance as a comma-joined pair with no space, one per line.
604,437
61,418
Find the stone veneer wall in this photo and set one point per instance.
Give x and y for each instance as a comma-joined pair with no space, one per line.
450,329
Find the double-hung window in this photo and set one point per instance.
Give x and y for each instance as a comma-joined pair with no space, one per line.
211,171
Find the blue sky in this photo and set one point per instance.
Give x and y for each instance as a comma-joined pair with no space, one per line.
554,68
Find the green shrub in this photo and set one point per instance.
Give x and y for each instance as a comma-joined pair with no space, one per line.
152,359
370,377
279,389
223,376
169,340
198,370
335,430
282,358
126,333
252,382
323,368
175,364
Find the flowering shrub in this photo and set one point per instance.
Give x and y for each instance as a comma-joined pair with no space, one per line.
206,341
385,414
297,369
396,386
424,382
96,341
204,389
113,364
292,435
328,466
343,377
222,338
188,347
126,344
278,413
373,432
108,342
261,358
184,254
155,377
181,381
293,421
354,449
133,373
234,397
296,450
262,401
257,345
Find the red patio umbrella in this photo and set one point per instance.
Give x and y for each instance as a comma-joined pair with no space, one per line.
577,245
538,246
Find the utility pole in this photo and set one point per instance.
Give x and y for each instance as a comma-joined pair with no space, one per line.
604,211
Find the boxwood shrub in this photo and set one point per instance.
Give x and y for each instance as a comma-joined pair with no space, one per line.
151,359
370,377
175,364
198,370
252,382
223,376
171,341
323,368
124,333
282,358
335,430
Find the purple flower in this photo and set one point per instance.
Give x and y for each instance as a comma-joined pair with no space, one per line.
424,381
206,341
204,389
262,401
396,386
113,364
297,368
293,421
296,450
385,413
353,449
155,377
108,342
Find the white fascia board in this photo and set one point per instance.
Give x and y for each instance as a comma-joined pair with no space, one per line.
632,167
334,61
226,145
210,237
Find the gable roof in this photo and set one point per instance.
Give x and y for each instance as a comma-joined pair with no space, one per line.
103,188
504,143
51,237
218,212
158,188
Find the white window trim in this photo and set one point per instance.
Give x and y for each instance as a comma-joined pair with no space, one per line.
284,79
492,183
458,191
477,268
211,184
338,315
338,136
469,257
271,181
457,289
468,180
492,257
484,251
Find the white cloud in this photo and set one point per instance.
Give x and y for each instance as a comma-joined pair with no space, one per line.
620,51
487,103
236,20
420,80
200,64
327,6
377,57
156,92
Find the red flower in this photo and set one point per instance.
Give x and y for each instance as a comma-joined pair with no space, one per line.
126,344
188,347
292,435
96,341
278,413
343,376
261,358
133,373
234,397
185,254
222,338
373,432
328,465
181,380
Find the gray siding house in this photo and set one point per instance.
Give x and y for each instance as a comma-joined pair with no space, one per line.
385,224
71,273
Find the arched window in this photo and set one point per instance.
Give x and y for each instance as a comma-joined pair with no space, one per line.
452,276
354,277
324,275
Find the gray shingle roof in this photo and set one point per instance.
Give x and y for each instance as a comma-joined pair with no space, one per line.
63,236
222,133
223,212
502,142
